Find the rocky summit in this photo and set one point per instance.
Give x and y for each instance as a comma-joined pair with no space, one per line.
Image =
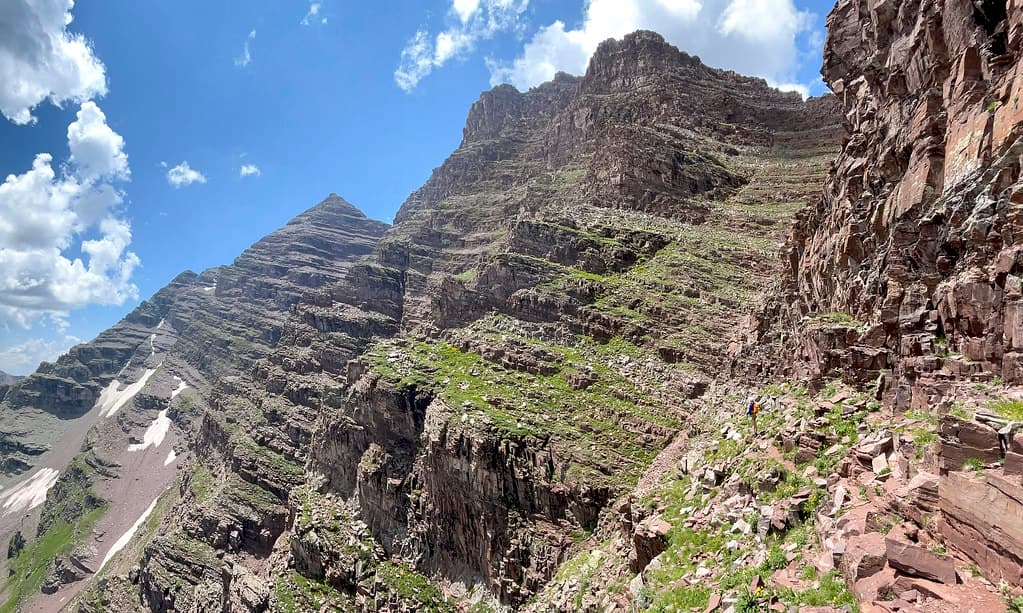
530,391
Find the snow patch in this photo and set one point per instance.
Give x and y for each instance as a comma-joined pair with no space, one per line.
155,433
113,398
160,325
182,386
171,456
209,288
152,347
121,542
30,493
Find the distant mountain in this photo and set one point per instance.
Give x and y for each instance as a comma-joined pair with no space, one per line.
6,379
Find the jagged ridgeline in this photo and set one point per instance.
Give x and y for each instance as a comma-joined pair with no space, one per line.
434,414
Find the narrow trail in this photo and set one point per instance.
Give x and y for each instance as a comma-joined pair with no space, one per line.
666,460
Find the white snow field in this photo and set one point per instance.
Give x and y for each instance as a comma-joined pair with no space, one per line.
113,398
121,542
29,493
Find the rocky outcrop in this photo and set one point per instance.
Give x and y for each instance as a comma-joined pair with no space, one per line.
983,517
473,396
458,400
907,268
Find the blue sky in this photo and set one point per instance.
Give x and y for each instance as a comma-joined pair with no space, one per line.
362,99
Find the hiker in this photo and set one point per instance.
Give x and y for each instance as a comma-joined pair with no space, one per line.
752,409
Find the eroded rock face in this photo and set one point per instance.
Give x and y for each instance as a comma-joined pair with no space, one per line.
983,517
453,393
909,262
464,394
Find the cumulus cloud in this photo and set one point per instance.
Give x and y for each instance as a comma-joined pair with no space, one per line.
96,150
245,58
465,8
24,358
63,244
756,37
183,175
40,59
248,170
313,16
469,21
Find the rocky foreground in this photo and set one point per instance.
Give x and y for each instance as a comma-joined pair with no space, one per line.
528,392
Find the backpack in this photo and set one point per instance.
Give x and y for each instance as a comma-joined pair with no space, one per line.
753,408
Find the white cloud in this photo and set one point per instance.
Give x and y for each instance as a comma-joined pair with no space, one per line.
40,59
245,58
313,15
465,8
755,37
803,89
470,21
62,243
96,150
248,170
24,358
183,175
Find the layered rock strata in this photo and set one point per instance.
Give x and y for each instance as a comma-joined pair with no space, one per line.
907,268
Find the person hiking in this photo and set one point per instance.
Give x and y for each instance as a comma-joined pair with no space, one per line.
752,409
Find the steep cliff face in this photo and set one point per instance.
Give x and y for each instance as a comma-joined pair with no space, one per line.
908,266
904,280
542,320
440,413
106,416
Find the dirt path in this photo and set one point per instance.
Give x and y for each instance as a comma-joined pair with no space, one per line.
665,461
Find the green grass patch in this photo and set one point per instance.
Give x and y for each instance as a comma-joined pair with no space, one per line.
974,464
838,318
412,587
200,481
1009,409
830,590
542,408
296,594
685,598
28,570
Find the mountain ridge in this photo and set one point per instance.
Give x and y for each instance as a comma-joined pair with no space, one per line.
529,392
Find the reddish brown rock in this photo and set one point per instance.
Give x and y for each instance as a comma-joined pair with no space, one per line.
963,440
917,208
713,603
1014,456
920,562
864,556
649,539
983,518
877,586
930,589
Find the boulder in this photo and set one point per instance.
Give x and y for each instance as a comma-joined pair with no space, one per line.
876,586
930,589
1014,456
864,556
963,440
879,465
919,562
649,539
983,518
838,500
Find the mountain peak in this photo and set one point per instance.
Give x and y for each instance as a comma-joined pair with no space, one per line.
637,58
8,379
339,205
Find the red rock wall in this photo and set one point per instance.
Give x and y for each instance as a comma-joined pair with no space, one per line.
919,232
